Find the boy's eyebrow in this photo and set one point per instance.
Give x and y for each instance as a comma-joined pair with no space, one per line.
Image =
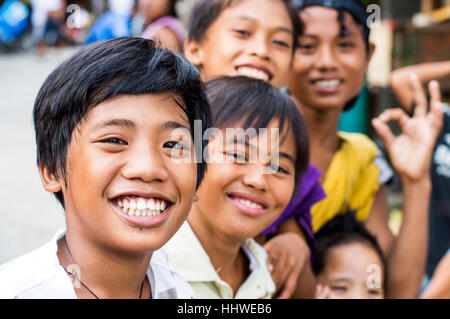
284,29
174,125
116,122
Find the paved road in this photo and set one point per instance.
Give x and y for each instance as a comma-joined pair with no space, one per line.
29,215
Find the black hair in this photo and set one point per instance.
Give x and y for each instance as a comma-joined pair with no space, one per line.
254,104
344,229
205,12
102,71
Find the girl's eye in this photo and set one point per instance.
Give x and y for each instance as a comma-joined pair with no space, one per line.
279,169
114,140
282,43
339,288
374,292
240,158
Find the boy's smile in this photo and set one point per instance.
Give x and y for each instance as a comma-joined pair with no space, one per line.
328,69
124,188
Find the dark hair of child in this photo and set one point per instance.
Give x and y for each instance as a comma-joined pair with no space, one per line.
205,12
343,229
254,104
102,71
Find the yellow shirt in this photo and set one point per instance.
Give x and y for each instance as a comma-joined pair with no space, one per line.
351,181
187,258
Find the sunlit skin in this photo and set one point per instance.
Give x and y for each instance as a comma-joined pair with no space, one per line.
218,218
119,149
347,277
257,34
324,55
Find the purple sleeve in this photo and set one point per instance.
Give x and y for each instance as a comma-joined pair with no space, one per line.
309,192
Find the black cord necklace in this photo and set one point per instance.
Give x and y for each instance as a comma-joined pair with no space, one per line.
74,275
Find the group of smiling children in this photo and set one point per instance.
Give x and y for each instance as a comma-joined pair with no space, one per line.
118,143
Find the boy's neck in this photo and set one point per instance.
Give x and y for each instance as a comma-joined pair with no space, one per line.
106,273
225,253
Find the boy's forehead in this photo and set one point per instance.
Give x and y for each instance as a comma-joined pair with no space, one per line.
126,110
315,17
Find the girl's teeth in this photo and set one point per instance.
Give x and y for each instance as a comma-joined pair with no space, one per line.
133,204
151,204
253,73
250,204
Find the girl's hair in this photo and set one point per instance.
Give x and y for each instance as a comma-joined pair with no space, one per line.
254,103
205,12
342,230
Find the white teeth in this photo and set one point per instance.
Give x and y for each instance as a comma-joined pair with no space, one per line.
151,204
250,204
253,73
141,204
328,83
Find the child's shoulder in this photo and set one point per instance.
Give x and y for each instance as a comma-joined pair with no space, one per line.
168,283
25,272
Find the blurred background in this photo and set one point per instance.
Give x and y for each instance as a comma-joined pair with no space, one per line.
37,35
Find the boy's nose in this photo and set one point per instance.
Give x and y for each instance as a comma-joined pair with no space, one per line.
326,59
146,165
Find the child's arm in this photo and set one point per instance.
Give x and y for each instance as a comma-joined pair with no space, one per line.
411,154
288,256
426,72
439,286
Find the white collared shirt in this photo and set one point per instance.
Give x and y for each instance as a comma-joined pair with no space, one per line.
188,258
39,275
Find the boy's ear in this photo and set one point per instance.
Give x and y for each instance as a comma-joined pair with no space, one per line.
50,181
193,52
372,48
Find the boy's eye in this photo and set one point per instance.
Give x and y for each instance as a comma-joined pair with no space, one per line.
242,32
175,145
346,45
114,140
307,47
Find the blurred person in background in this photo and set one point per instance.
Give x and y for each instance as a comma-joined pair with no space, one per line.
48,23
160,23
439,223
114,23
151,19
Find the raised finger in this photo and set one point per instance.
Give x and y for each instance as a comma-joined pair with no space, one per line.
436,113
419,96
